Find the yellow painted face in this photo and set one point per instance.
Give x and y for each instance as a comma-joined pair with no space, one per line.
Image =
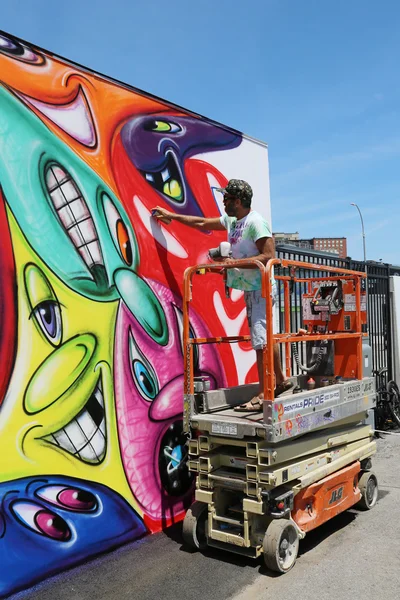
58,415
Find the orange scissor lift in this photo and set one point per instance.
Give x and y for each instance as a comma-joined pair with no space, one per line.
264,479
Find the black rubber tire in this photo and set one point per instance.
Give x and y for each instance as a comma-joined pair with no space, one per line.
195,526
368,484
281,545
394,401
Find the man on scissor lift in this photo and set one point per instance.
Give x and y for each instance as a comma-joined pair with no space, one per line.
250,237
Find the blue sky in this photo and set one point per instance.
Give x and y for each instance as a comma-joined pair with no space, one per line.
315,79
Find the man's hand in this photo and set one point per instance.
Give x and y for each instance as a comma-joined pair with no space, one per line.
227,260
163,215
221,259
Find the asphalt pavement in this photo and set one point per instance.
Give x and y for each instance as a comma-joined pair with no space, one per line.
354,556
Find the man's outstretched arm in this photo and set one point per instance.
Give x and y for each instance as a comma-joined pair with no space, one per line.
166,216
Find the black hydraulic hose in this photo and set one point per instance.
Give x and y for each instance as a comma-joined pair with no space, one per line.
316,364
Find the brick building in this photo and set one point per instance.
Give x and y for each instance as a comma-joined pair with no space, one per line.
337,245
334,245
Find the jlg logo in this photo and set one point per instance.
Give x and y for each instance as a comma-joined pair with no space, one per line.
336,495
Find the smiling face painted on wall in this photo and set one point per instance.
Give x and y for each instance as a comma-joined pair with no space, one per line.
59,411
71,219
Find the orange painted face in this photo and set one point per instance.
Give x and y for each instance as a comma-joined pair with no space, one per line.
71,101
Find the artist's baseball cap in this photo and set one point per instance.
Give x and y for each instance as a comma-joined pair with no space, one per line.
237,188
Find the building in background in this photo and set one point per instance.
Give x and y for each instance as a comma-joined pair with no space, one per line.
334,245
284,238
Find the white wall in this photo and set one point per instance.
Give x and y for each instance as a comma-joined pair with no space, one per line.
395,305
249,161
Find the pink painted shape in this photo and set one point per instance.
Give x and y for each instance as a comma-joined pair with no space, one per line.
142,423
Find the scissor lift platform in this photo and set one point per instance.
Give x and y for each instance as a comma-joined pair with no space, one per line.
285,418
264,479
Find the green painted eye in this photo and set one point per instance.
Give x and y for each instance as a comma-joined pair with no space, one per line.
164,127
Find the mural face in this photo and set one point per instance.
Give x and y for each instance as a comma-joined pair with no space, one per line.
149,400
69,216
57,521
158,145
92,452
60,402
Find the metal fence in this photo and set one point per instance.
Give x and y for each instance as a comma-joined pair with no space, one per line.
379,317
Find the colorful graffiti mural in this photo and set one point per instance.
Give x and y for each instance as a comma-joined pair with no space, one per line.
92,451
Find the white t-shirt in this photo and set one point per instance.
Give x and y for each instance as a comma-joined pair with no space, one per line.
242,235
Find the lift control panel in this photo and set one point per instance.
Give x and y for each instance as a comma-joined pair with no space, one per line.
328,298
331,306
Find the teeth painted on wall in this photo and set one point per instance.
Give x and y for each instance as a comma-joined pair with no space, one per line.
73,212
92,451
85,436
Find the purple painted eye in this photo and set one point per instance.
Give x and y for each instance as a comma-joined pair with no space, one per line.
48,316
69,498
77,499
42,521
12,47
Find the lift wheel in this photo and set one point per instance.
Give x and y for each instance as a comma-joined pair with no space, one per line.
368,484
281,545
195,526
